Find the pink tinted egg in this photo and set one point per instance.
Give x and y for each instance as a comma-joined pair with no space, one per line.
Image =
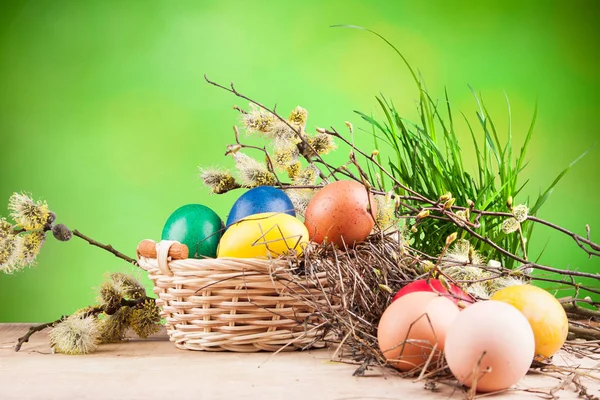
490,345
413,327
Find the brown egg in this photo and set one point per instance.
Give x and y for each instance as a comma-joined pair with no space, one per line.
338,213
413,327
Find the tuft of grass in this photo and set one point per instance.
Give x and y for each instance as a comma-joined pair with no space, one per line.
428,158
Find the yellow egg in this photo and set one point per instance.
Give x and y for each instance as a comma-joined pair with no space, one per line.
264,235
544,313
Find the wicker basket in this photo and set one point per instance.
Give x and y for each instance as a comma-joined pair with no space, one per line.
236,304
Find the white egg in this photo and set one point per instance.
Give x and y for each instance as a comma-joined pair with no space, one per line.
490,344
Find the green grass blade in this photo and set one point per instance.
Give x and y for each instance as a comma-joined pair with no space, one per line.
527,139
544,197
512,173
477,152
412,72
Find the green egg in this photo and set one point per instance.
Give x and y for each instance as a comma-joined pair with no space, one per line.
196,226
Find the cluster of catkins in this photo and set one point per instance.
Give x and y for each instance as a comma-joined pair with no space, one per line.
21,242
480,279
289,144
122,304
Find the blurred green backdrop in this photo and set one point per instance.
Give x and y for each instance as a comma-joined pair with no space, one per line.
105,114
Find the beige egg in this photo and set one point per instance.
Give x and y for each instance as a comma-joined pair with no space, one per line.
490,345
413,327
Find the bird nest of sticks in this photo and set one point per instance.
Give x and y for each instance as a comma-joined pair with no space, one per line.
361,282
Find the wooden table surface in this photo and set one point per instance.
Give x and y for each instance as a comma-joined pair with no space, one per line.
154,368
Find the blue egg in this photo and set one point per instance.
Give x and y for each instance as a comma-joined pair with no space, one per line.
260,200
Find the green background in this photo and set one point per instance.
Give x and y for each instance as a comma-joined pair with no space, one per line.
104,112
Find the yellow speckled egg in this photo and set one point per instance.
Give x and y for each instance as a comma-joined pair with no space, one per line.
544,313
264,235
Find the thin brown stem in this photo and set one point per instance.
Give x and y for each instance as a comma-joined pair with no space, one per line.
528,263
580,240
37,328
576,286
334,133
106,247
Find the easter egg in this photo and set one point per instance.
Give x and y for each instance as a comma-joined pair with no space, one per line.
339,213
490,346
455,293
546,316
264,235
196,226
413,329
260,200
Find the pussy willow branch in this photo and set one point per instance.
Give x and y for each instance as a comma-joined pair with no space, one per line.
580,240
263,149
91,241
38,328
585,312
92,311
500,272
106,247
233,90
526,263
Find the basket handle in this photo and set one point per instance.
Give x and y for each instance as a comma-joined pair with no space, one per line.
147,248
162,255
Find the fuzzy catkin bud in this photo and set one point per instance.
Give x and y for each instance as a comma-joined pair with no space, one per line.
298,116
510,225
6,228
31,244
145,319
75,335
521,212
62,233
28,214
